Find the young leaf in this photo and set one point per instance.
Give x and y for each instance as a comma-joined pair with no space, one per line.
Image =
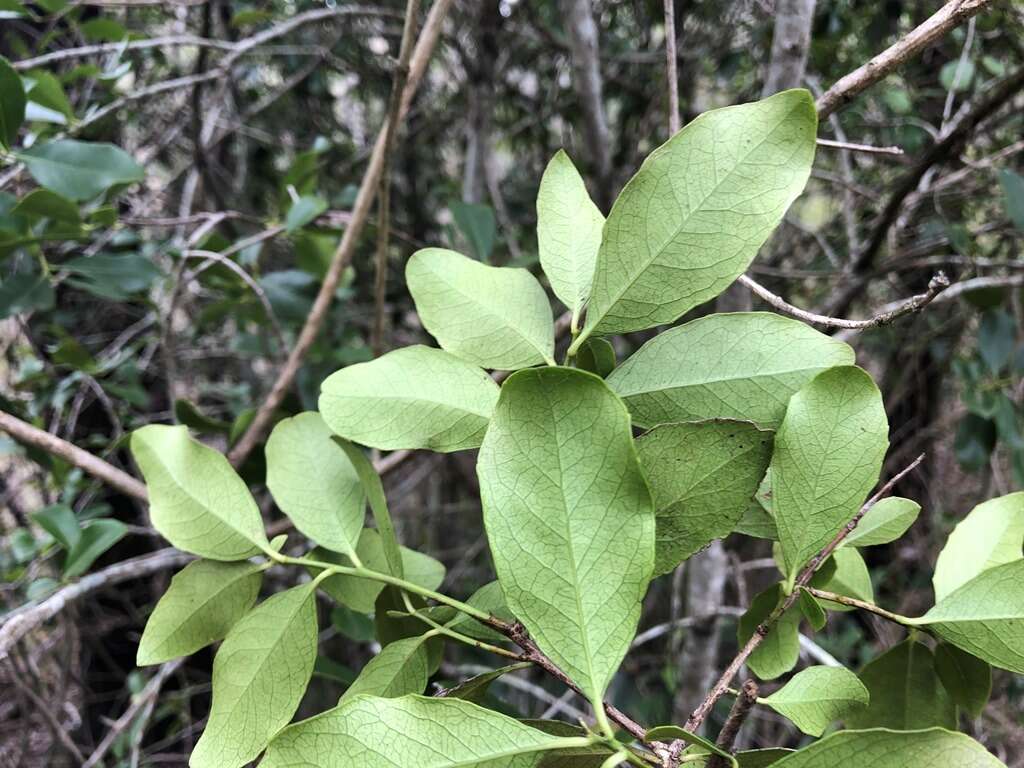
399,669
475,688
314,483
205,600
884,748
60,522
886,521
259,676
966,678
812,610
569,518
97,537
374,490
780,649
828,454
597,356
494,317
992,534
702,476
985,617
303,211
80,170
409,731
414,397
817,696
738,366
196,500
905,691
848,576
12,104
694,216
568,232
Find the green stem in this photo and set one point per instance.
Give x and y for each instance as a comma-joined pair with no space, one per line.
853,602
443,630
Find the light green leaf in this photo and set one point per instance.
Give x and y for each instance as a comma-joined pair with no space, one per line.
60,522
884,522
374,490
303,211
883,748
569,518
985,617
42,203
597,355
849,577
702,476
314,483
367,732
966,678
568,231
905,691
812,610
97,537
818,696
196,500
399,669
477,223
694,216
259,677
80,170
12,104
494,317
361,594
475,688
414,397
48,92
780,649
738,366
992,534
828,454
205,600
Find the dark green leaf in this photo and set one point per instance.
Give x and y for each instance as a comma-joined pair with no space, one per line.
303,211
42,203
1013,189
966,678
477,223
97,537
25,292
80,170
60,522
12,104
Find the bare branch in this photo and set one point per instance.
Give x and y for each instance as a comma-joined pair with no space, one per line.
860,147
672,67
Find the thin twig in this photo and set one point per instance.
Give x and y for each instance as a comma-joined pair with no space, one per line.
853,602
869,148
672,67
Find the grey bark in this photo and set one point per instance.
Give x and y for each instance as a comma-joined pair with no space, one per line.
790,41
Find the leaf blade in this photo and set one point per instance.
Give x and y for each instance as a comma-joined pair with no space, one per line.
815,697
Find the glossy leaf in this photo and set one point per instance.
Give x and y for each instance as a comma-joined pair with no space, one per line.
702,476
259,677
399,669
992,534
494,317
12,104
818,696
196,500
738,366
569,518
42,203
985,616
80,170
905,691
694,216
966,678
884,522
314,483
568,231
828,455
780,649
884,748
415,397
365,732
97,537
205,600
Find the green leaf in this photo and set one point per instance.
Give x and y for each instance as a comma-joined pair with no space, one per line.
883,748
111,276
974,441
597,355
12,104
42,203
849,576
780,649
956,77
410,731
399,669
739,366
966,678
475,688
812,610
818,696
374,490
569,518
414,397
48,92
196,500
1013,191
303,211
905,691
694,216
985,617
997,337
477,223
884,522
25,292
97,537
60,522
992,534
828,454
259,676
702,476
314,483
205,600
80,170
188,413
494,317
568,232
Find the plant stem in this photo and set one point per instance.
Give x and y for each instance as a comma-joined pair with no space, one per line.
439,629
853,602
